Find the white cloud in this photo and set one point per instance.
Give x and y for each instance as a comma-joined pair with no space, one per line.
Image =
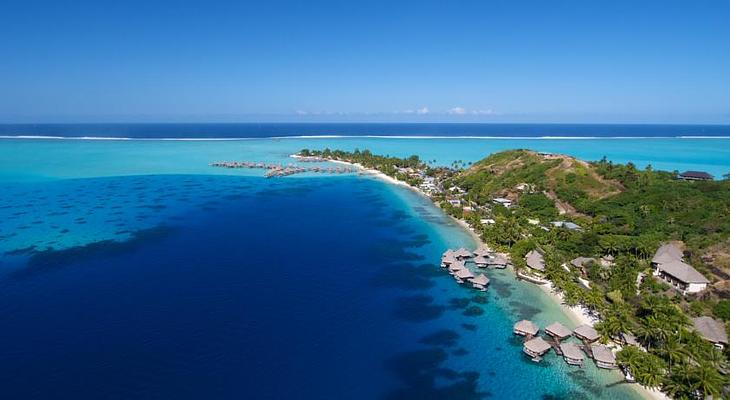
301,112
422,111
484,112
457,111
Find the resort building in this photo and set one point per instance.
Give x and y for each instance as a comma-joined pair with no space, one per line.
462,275
487,221
456,266
481,261
712,330
535,260
695,176
567,225
448,258
535,348
628,338
525,328
455,202
668,266
558,331
497,261
586,333
480,282
572,353
603,356
481,251
581,262
505,202
607,260
462,254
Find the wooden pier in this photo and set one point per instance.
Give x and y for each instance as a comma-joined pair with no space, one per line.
280,170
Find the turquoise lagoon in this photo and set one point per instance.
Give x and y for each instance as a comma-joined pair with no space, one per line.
130,268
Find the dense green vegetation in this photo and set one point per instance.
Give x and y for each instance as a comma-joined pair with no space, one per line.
625,213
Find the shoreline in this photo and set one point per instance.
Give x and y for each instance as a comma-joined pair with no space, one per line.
578,314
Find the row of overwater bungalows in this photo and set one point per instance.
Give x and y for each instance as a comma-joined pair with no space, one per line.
573,353
456,262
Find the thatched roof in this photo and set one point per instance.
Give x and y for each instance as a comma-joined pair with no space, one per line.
711,329
586,332
527,327
463,274
462,252
701,175
572,351
629,338
481,251
581,261
558,329
666,253
456,266
537,345
480,260
480,279
534,260
603,354
497,260
682,272
449,259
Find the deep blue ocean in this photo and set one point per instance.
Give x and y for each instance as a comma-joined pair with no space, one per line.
131,269
264,130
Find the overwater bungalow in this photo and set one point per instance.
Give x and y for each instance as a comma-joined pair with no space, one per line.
558,331
448,252
535,348
456,266
480,282
482,251
498,261
603,356
572,354
448,260
462,275
481,261
535,261
525,328
586,333
462,254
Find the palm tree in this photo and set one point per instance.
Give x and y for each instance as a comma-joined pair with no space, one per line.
707,380
650,372
718,360
673,351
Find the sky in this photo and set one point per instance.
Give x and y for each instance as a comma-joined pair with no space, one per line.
482,61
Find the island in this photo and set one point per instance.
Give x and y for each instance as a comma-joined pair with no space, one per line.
644,253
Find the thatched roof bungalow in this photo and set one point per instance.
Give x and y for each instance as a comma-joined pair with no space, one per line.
603,356
525,328
536,347
535,260
558,331
586,333
572,353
